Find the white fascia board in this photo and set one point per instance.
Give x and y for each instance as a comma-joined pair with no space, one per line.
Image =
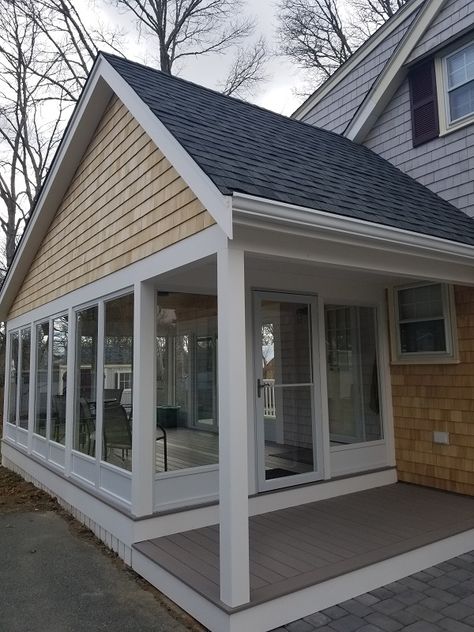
217,204
78,134
361,53
391,76
335,227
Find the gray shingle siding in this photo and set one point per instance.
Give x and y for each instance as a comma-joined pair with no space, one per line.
454,18
335,111
445,164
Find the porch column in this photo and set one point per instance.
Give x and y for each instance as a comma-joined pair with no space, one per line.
233,467
144,422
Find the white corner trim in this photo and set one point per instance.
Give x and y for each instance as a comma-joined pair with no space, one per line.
390,77
217,204
360,54
247,207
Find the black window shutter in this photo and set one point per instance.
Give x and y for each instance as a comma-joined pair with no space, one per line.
423,101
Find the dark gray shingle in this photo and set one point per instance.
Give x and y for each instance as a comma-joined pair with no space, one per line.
247,149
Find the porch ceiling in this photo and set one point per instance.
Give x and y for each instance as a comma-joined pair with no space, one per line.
294,548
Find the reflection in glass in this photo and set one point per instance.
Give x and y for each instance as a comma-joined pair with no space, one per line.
287,388
118,380
85,381
41,390
13,377
186,388
25,377
352,374
58,380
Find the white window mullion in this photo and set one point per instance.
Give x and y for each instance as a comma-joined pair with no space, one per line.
50,379
99,398
18,379
32,392
70,386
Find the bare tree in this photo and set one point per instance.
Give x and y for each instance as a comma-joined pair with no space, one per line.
27,140
247,70
314,35
320,35
371,14
189,28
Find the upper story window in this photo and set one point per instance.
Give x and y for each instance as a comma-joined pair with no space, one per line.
459,73
422,324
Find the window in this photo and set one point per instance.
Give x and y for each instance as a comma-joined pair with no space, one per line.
51,365
460,83
85,380
352,374
186,381
455,79
13,378
422,319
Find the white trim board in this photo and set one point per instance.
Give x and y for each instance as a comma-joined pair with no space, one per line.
102,83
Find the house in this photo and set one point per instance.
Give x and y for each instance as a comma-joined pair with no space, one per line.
241,269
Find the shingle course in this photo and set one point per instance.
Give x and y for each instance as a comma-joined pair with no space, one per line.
244,148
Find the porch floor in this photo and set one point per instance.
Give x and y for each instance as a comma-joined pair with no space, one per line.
301,546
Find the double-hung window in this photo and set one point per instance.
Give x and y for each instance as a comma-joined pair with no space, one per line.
456,87
422,323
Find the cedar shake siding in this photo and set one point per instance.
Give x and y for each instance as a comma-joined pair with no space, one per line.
438,397
124,203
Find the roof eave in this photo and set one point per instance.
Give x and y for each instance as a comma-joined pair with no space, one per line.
339,227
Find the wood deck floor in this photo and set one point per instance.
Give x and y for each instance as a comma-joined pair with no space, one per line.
293,548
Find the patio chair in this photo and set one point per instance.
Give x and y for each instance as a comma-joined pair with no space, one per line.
58,418
117,432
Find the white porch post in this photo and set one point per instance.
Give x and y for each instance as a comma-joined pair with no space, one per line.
144,423
233,467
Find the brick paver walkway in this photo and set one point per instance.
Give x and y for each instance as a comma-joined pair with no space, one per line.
440,598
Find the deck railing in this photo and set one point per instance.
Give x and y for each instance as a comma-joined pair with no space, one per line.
269,408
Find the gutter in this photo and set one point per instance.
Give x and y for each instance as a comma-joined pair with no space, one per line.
252,209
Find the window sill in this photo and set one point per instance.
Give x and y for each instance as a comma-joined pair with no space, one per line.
427,360
456,126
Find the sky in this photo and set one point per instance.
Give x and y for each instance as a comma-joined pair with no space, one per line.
279,92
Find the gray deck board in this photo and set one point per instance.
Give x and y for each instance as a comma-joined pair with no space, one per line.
293,548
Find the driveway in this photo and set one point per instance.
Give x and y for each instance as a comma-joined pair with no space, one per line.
56,577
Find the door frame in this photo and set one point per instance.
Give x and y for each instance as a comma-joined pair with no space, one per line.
318,430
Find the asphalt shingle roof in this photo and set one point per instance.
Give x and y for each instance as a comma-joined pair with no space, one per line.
247,149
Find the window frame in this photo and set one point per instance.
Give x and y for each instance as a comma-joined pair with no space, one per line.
450,355
446,125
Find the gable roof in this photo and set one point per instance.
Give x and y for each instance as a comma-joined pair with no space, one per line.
246,149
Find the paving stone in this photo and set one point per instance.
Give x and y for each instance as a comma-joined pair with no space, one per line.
422,626
434,571
349,623
461,590
405,617
370,628
444,582
451,625
317,619
381,593
355,607
468,601
396,587
458,611
409,597
389,606
335,612
421,612
300,626
384,622
414,584
433,604
446,566
442,595
469,621
367,599
422,576
460,575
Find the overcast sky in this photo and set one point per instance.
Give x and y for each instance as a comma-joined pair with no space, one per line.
278,93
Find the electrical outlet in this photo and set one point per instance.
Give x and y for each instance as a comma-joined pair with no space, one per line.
441,437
